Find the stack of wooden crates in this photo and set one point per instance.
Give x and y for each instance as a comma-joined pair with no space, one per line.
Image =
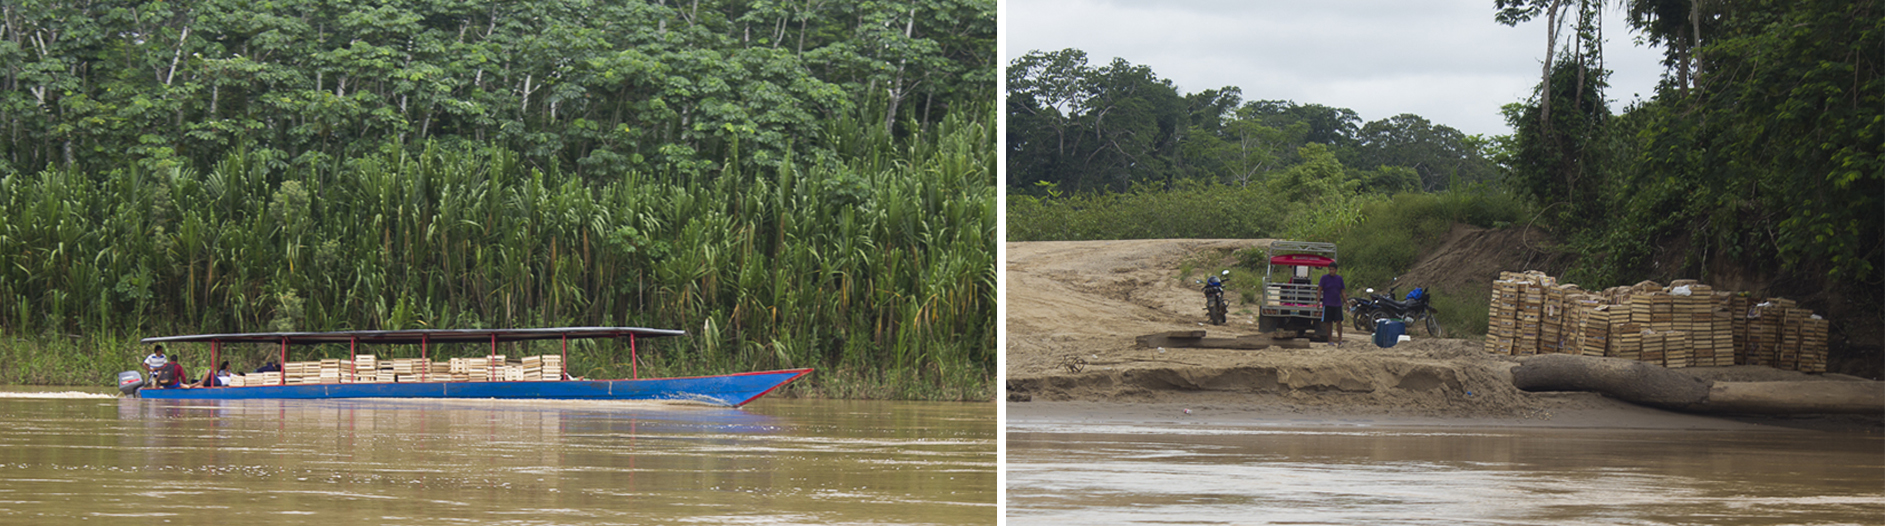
367,368
1684,324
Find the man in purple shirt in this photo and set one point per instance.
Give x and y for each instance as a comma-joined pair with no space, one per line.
1334,295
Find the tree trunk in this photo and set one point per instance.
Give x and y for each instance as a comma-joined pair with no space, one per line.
1651,385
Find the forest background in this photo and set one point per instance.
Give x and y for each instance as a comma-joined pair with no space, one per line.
1759,163
797,184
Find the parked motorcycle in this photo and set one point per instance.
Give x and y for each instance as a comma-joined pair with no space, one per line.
1214,304
1417,309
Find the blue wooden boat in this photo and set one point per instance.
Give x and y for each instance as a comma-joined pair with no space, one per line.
732,390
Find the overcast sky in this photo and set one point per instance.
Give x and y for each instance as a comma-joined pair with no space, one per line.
1445,60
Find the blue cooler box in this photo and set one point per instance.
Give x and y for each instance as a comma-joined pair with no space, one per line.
1388,332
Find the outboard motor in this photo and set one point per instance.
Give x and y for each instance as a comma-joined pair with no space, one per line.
129,382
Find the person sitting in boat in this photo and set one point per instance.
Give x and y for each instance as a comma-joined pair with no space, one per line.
217,378
156,359
270,367
171,375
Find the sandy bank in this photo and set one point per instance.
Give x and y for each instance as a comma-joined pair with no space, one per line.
1075,309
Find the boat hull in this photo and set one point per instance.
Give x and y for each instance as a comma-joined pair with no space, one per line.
732,390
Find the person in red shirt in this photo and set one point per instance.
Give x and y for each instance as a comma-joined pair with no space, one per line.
170,375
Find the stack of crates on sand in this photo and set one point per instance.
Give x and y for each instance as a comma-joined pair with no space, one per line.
1684,324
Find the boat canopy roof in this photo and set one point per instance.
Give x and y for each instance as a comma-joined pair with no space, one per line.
416,336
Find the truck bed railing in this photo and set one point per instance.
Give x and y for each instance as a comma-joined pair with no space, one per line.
1290,295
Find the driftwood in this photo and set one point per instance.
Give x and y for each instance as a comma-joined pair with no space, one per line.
1649,385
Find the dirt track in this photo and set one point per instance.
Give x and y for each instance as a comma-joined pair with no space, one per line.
1085,301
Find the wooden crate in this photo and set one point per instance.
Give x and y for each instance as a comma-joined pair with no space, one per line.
1653,347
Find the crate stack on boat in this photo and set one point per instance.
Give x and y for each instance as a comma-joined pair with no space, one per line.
328,372
438,372
301,372
478,369
548,367
461,369
409,370
366,369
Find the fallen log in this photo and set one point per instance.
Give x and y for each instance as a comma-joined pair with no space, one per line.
1862,398
1645,384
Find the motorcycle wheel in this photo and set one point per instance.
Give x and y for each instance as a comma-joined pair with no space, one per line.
1364,321
1433,326
1217,312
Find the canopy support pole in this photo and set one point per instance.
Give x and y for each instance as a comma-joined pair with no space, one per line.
212,360
634,362
424,360
565,362
490,362
283,376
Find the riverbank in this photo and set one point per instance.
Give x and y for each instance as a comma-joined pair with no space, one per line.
1076,309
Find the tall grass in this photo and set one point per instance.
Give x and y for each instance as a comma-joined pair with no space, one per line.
876,267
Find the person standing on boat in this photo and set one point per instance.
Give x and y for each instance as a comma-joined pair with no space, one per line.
156,360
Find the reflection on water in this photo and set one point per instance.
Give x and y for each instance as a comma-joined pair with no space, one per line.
483,461
1364,475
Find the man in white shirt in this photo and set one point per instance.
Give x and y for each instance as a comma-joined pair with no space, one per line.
155,360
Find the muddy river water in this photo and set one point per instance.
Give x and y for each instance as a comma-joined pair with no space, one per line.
1070,472
73,460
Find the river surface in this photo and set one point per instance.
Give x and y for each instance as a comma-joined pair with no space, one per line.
1065,472
65,459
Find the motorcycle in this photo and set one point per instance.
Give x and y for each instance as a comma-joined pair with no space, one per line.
1214,304
1417,309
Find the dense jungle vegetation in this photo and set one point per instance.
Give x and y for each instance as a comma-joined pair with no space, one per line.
1759,163
1760,160
795,184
